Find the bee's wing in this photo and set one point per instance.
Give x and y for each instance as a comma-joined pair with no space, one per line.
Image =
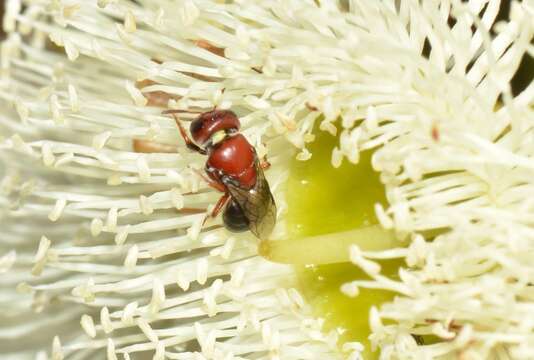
257,204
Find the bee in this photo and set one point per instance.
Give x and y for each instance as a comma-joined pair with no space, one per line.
233,168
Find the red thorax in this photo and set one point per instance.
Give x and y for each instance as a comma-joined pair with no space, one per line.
234,157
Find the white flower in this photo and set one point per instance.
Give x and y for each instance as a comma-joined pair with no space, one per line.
122,253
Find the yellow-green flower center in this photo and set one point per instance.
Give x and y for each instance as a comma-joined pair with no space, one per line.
322,200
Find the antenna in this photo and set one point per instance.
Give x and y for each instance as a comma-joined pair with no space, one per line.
178,111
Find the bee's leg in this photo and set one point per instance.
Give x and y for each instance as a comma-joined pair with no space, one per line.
188,142
218,207
264,164
220,204
214,184
147,146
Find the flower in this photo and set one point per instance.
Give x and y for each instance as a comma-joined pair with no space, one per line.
122,250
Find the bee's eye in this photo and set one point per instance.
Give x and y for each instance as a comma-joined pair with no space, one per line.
196,129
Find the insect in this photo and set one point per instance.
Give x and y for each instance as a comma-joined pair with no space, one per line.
232,167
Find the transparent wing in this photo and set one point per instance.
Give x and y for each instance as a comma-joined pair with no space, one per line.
257,203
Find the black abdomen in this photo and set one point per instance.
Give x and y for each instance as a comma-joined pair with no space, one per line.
233,217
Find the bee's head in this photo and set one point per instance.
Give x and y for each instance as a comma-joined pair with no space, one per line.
213,122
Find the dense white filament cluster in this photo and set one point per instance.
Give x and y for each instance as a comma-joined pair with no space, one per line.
102,250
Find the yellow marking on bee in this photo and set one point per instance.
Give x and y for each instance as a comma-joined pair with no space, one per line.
218,137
